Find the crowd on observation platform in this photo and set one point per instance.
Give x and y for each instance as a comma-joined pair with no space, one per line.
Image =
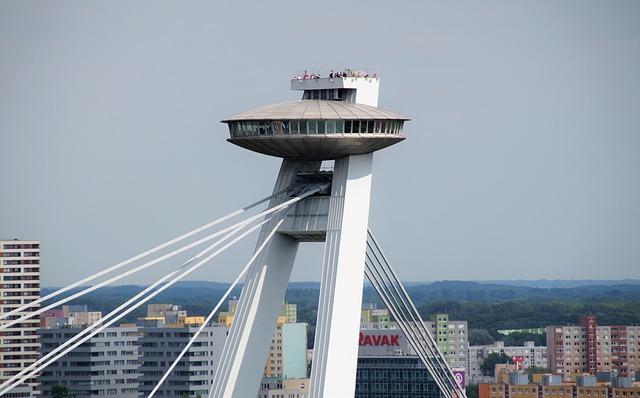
347,73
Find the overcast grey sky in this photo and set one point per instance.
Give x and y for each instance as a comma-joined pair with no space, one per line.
522,159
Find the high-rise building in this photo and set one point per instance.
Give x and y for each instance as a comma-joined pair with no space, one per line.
19,284
105,365
590,348
452,338
287,356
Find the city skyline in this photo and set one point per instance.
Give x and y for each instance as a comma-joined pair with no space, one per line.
524,116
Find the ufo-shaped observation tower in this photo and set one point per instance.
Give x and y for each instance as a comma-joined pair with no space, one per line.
336,119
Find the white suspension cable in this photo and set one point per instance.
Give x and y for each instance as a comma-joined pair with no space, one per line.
406,327
164,257
409,326
215,309
149,297
376,281
401,305
120,276
137,257
415,315
126,304
426,334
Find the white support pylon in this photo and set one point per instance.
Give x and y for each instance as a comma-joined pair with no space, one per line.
335,360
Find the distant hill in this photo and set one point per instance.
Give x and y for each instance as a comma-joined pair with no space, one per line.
487,306
493,292
563,283
200,296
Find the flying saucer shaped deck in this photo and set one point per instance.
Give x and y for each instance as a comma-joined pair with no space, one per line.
315,129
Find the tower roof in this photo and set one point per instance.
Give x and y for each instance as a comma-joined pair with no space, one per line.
316,109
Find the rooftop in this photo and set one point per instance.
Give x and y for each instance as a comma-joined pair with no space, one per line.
316,109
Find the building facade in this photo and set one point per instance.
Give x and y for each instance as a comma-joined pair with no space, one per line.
69,315
502,390
19,285
394,377
590,348
388,367
193,375
106,365
528,355
452,338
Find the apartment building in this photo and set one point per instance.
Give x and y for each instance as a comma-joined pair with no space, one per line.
106,365
501,390
528,355
590,348
19,284
452,338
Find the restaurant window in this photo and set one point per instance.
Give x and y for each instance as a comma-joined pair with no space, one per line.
312,126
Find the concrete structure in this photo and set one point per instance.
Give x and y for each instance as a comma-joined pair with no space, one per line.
589,348
347,127
528,355
108,365
19,284
160,346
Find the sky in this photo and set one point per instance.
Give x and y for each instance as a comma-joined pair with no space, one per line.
522,158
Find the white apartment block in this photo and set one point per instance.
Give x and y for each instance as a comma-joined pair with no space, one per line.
19,284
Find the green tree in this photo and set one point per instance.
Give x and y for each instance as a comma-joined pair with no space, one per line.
488,367
59,391
472,391
480,337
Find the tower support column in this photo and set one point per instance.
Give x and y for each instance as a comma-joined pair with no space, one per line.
245,351
335,354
